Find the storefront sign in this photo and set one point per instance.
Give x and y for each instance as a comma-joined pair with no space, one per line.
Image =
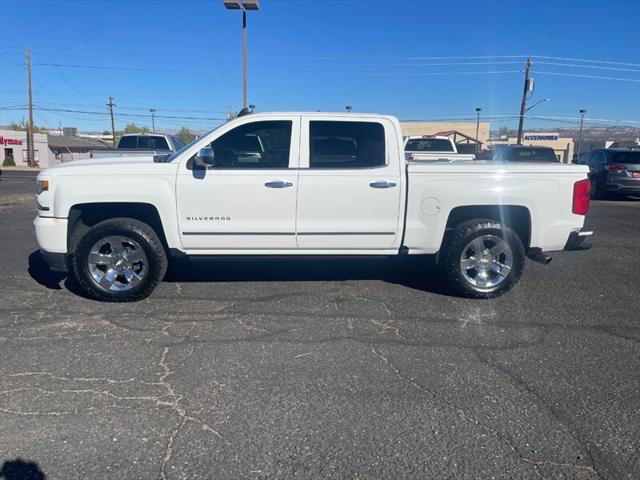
548,138
10,141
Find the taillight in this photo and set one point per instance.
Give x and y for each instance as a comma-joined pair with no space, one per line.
581,196
616,168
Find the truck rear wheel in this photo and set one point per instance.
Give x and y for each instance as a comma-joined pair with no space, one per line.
119,260
483,259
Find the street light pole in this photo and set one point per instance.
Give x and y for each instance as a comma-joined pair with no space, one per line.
582,112
153,119
478,110
243,5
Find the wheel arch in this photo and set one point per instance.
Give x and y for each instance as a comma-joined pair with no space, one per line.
83,216
516,217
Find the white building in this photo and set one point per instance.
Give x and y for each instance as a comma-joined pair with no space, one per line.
14,143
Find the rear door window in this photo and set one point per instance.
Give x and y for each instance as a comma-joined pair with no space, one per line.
335,144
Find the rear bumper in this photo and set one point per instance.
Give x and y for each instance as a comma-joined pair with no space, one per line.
56,261
578,240
624,188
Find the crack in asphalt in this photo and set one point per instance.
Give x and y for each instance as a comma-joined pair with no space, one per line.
462,413
566,424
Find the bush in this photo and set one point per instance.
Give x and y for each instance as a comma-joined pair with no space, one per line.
9,161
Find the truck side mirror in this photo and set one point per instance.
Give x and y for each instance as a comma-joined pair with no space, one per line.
204,158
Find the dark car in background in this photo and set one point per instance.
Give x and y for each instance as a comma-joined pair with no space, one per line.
522,153
613,170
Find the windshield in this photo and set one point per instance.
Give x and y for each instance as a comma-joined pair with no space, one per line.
175,154
627,157
428,145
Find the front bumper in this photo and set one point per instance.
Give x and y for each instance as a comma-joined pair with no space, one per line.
578,240
51,234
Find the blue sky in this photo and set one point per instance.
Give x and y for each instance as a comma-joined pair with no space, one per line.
414,59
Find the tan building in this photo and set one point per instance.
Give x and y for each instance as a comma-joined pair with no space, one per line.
434,128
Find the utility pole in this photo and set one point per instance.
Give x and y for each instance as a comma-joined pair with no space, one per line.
153,119
582,112
478,110
31,154
113,125
523,106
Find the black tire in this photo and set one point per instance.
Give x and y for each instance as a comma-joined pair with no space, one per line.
144,235
458,242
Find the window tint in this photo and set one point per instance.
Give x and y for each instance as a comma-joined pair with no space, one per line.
428,145
626,157
143,142
346,144
128,142
530,154
255,145
159,143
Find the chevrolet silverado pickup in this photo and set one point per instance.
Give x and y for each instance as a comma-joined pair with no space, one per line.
304,184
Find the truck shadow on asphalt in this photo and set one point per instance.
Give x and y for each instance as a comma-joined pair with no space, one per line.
19,469
420,273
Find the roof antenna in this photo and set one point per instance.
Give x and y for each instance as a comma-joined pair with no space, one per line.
246,110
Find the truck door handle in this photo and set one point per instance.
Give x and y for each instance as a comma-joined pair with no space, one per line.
278,184
382,184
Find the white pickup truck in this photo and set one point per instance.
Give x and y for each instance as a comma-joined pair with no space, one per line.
304,184
433,148
141,144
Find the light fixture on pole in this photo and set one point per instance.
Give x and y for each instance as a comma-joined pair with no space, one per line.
582,112
243,5
538,103
478,110
153,119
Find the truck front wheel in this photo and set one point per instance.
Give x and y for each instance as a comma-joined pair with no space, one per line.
119,260
483,258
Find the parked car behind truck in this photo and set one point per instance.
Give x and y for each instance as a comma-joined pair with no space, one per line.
133,144
320,184
613,170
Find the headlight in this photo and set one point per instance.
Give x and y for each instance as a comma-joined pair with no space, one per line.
42,186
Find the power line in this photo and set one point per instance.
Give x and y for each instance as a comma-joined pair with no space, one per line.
609,62
589,66
588,76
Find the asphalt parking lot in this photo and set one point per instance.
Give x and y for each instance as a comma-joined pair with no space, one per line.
323,369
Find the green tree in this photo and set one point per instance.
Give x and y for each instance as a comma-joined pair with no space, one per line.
185,135
23,125
133,128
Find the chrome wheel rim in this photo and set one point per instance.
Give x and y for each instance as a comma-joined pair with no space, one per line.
117,263
486,262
